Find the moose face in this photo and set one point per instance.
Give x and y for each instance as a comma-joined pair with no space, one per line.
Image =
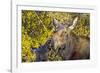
62,33
59,36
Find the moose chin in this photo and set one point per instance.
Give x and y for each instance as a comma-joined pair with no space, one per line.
66,44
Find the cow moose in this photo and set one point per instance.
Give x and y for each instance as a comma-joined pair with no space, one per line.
67,45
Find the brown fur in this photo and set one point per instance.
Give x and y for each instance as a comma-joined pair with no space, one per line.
69,45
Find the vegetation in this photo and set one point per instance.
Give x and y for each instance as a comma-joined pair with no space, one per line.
36,29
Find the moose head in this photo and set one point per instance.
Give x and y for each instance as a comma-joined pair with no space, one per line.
62,32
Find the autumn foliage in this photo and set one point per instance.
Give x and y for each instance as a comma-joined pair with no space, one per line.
37,28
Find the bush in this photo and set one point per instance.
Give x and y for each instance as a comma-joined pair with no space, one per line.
36,29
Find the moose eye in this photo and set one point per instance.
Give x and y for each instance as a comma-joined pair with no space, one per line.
65,32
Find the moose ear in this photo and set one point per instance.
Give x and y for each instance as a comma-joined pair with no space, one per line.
74,23
55,23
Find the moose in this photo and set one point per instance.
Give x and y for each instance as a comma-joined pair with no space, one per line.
66,44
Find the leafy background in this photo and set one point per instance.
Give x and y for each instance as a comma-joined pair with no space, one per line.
36,29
